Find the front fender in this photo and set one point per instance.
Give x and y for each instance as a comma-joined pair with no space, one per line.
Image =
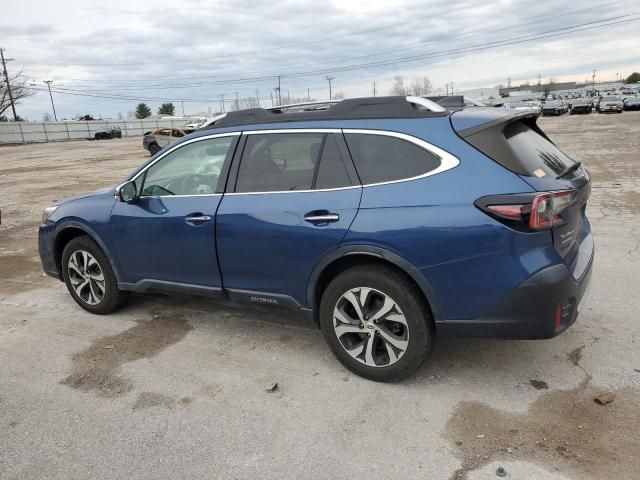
79,224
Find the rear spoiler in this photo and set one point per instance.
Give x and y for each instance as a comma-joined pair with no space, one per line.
528,117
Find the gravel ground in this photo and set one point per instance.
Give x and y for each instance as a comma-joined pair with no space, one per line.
178,388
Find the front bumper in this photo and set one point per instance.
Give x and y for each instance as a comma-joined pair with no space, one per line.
47,251
542,307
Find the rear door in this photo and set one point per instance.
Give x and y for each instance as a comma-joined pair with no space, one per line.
291,201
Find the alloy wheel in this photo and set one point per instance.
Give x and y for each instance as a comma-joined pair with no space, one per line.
86,277
371,327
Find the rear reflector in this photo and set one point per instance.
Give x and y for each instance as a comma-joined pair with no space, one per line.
558,320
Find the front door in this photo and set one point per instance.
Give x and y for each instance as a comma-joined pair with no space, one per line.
293,202
167,237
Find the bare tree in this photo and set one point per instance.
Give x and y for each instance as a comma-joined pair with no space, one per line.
420,86
398,87
19,90
338,96
46,117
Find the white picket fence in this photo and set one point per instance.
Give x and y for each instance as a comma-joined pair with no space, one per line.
38,132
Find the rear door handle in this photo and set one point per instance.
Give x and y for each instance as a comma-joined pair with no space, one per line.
197,218
318,217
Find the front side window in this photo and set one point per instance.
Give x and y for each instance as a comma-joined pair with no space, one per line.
192,169
381,158
279,162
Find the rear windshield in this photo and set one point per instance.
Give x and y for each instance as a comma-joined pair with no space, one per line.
522,150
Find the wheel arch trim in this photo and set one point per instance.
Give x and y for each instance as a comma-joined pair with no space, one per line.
67,224
379,253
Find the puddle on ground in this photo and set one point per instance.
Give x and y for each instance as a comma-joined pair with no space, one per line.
97,369
564,431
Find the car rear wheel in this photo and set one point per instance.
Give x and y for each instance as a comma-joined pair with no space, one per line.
89,277
376,322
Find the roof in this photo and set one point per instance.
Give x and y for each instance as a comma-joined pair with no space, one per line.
350,109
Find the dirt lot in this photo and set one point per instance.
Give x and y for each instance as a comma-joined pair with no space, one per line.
177,388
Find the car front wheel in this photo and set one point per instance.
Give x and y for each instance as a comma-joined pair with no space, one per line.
89,277
376,322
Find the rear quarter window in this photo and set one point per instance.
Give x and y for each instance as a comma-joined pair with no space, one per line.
380,158
522,149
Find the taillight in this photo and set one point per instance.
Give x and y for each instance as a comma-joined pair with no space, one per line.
529,211
547,207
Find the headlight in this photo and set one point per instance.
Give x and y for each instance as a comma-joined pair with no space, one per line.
47,212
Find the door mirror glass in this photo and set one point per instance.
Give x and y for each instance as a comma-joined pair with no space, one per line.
127,192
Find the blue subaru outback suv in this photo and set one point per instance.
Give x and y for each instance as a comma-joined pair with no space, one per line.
388,220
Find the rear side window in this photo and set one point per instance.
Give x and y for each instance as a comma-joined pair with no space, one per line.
279,162
381,158
523,150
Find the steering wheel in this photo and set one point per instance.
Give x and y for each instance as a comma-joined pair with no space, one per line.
192,183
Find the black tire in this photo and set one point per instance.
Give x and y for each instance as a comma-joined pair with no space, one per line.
406,296
153,149
113,298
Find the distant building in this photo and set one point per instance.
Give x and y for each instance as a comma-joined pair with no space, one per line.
533,89
484,95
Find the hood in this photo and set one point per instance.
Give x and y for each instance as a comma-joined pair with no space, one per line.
102,191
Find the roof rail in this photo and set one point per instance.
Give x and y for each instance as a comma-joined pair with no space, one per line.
348,109
426,103
296,106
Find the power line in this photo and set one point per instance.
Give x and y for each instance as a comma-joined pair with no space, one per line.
377,54
464,49
479,47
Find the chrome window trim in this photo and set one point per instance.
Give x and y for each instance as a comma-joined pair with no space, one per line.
175,147
447,160
183,196
292,130
296,191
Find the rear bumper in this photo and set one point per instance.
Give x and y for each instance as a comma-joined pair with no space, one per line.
542,307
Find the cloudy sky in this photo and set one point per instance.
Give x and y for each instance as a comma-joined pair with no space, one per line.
199,50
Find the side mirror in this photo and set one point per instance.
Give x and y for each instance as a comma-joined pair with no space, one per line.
128,192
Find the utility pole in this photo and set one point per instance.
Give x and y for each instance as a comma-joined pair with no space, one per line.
279,96
451,88
237,104
593,79
374,88
182,108
49,82
539,82
222,102
329,78
308,96
257,98
6,77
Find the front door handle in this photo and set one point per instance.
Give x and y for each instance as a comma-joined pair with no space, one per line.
197,218
320,217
